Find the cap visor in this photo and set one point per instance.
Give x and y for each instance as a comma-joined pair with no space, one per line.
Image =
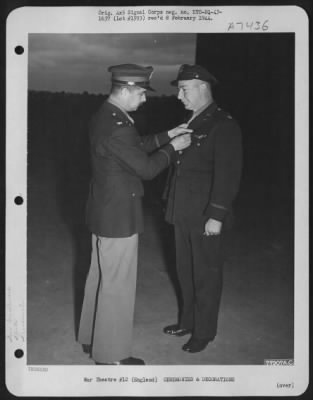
174,83
146,86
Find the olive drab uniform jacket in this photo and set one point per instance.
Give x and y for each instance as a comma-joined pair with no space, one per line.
205,177
119,162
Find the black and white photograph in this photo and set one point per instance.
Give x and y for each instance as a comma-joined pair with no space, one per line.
157,170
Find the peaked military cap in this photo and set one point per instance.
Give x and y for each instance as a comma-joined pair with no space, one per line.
187,72
131,75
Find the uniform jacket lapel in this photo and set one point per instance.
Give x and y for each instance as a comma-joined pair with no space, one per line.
203,117
204,122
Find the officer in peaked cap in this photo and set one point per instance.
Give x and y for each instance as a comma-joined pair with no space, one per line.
201,189
114,213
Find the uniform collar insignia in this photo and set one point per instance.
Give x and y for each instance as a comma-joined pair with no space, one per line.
204,114
120,113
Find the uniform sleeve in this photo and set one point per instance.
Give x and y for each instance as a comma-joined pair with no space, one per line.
152,142
227,169
125,146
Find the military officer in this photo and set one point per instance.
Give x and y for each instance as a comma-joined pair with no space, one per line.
200,194
114,213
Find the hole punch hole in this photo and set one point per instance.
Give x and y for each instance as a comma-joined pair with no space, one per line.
19,353
18,200
19,50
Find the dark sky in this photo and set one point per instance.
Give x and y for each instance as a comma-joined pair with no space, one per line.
79,62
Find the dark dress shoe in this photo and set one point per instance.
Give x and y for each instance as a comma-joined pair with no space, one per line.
195,345
132,361
176,330
125,361
113,363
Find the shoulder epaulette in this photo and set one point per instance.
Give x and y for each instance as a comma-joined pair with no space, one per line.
223,114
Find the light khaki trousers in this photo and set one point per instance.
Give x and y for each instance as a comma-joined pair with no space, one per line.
108,308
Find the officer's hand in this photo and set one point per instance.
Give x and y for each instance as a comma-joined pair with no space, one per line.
181,142
212,227
179,130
